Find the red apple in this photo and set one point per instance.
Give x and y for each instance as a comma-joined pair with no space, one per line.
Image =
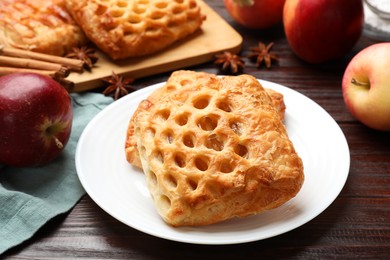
256,14
35,119
366,86
322,30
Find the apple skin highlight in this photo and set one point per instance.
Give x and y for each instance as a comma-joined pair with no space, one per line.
366,86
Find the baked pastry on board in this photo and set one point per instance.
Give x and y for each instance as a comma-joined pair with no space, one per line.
40,26
133,28
213,148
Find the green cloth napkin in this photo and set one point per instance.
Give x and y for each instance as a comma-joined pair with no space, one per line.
29,197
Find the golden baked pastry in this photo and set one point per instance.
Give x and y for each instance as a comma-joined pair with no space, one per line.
132,28
215,148
132,154
41,26
277,101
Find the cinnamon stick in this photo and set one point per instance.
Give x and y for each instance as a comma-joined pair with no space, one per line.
56,75
32,64
9,70
13,52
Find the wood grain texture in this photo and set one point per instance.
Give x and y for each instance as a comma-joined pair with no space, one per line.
355,226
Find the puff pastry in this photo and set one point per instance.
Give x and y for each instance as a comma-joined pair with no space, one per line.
41,26
132,28
132,155
215,148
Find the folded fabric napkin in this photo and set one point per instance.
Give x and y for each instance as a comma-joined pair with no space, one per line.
29,197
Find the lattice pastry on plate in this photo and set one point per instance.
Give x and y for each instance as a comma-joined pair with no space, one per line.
132,154
215,148
41,26
131,28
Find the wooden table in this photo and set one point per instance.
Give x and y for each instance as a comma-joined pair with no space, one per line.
356,225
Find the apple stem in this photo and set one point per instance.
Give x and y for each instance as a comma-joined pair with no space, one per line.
359,83
59,144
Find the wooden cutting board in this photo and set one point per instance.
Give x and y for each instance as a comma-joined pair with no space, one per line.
215,36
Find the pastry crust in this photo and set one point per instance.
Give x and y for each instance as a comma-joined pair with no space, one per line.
132,155
40,26
215,148
133,28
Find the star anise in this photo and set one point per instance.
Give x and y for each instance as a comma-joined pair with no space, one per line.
87,55
229,62
262,54
118,85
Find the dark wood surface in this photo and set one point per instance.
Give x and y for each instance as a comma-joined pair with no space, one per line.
355,226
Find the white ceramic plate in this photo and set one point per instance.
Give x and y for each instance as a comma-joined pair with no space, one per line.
121,191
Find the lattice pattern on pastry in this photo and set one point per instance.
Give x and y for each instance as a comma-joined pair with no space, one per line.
132,154
119,22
